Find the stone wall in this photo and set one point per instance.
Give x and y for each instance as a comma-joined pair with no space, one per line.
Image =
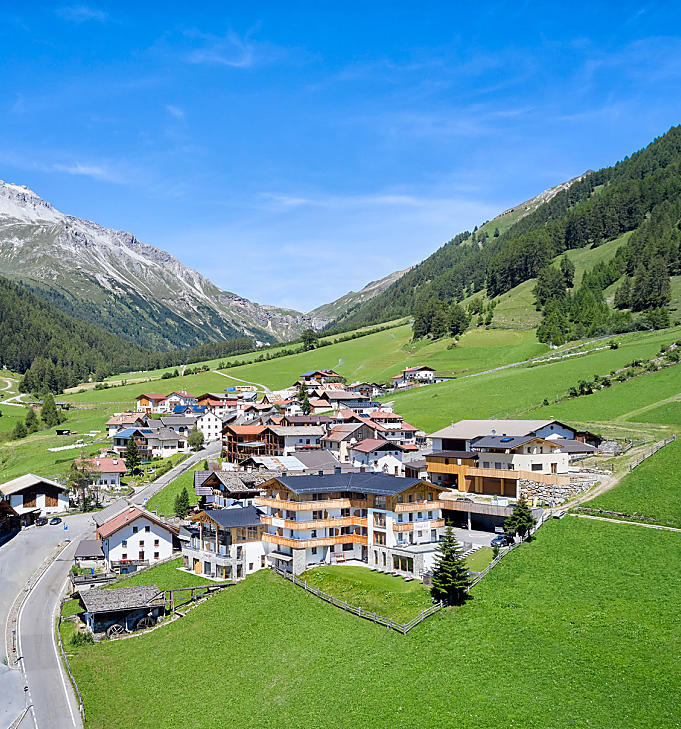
549,493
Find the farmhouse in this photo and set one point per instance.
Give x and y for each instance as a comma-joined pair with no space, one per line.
420,374
210,426
380,455
223,488
381,520
105,471
125,420
152,402
228,545
135,538
30,493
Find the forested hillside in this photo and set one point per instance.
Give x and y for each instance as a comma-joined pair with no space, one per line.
643,188
55,351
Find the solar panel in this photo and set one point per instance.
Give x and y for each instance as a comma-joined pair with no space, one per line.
506,439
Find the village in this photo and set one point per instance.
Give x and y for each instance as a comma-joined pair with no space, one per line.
321,473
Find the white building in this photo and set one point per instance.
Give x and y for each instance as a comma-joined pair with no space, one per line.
135,538
210,425
380,455
106,472
30,493
521,453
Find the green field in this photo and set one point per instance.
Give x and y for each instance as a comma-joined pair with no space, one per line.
652,489
386,595
31,455
479,560
669,413
165,576
372,357
559,634
164,501
512,392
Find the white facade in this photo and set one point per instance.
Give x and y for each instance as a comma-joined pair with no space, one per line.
210,425
141,540
107,479
162,448
548,461
381,461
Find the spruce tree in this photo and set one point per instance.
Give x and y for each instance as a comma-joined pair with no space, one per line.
458,320
182,504
19,430
567,268
305,404
521,520
622,298
132,456
48,411
32,424
451,579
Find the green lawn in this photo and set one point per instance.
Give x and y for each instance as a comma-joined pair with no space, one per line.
479,560
512,392
386,595
165,577
164,501
70,607
668,413
653,489
560,634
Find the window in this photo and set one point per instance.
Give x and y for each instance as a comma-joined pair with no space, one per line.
399,498
411,498
262,560
313,533
379,538
250,566
134,530
419,534
124,556
147,528
536,466
485,464
252,533
141,542
141,556
379,502
124,543
155,555
430,514
314,550
348,547
155,542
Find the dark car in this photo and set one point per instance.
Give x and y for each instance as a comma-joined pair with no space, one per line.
464,498
502,540
55,520
41,521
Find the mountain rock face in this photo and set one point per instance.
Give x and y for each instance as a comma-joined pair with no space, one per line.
135,290
344,304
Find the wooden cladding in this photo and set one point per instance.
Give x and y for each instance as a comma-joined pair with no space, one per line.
407,526
310,505
319,542
316,523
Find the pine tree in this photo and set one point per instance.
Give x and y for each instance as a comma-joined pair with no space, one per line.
32,424
439,323
48,411
496,232
521,520
451,579
182,504
132,455
305,404
19,430
622,298
567,268
458,320
550,285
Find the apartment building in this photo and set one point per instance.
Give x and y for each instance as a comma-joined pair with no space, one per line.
384,521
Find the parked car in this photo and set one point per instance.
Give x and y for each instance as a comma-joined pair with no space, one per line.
463,498
502,540
41,521
55,520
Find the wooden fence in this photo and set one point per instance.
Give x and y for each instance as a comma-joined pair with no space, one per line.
389,623
658,446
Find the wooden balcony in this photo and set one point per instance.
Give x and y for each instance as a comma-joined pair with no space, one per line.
310,505
319,542
419,506
407,526
315,523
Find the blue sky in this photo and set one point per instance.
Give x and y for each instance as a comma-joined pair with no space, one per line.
294,151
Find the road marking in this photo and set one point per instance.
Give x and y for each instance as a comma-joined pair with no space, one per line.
58,657
21,612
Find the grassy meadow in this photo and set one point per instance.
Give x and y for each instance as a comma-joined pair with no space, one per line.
560,634
165,576
651,490
164,501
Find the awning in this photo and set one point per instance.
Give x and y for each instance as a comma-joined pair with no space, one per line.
281,555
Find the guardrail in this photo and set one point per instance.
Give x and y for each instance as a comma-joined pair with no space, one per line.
658,446
68,665
389,623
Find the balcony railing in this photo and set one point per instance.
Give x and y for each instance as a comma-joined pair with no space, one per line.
420,506
310,505
317,542
339,521
129,563
407,526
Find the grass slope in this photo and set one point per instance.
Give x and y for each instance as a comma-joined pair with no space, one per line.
165,576
560,634
164,501
512,392
652,489
373,357
386,595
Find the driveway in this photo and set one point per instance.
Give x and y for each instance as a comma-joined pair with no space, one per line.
19,558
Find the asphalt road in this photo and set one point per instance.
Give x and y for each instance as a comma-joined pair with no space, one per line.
19,558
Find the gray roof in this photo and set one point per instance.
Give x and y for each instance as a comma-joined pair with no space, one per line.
317,459
178,420
453,454
89,549
27,481
502,441
242,516
234,481
298,430
100,517
574,446
467,429
164,434
121,598
364,483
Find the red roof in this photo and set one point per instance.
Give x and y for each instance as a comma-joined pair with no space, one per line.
410,447
127,517
152,396
372,444
104,465
246,429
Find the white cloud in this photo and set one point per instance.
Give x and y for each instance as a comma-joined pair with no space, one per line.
229,50
96,171
82,13
175,111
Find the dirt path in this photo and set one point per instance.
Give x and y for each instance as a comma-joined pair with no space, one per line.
621,521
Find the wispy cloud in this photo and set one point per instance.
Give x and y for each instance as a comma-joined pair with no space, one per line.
175,111
82,13
95,171
230,50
